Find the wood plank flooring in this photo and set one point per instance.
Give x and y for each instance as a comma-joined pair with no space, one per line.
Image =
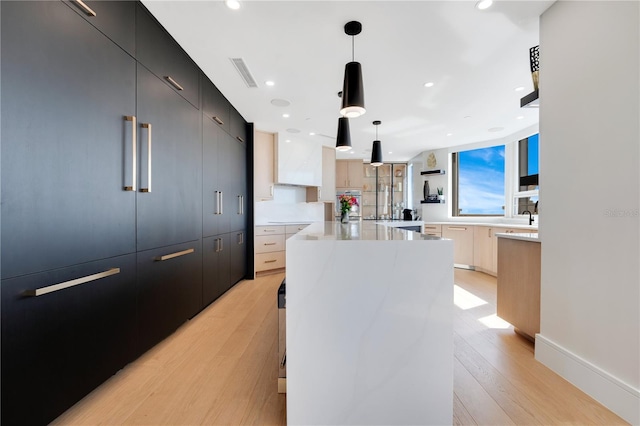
221,368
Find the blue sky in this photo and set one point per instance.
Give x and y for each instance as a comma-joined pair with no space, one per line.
481,181
481,178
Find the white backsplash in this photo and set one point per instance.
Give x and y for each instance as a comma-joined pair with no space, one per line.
288,205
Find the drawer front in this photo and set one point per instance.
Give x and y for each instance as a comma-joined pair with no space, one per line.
292,229
432,229
267,261
270,230
269,243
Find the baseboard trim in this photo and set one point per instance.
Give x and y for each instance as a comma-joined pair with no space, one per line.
613,393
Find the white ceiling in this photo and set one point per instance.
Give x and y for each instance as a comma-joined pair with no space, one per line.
474,58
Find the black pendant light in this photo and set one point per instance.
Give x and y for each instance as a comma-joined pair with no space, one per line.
376,151
352,88
343,140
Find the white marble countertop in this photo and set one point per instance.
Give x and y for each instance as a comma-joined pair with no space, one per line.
495,224
299,222
360,230
523,236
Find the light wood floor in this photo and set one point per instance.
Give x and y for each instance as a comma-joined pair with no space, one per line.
221,368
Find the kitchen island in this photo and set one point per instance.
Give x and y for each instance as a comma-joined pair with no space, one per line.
369,326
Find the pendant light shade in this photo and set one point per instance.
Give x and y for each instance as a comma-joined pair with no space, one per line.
343,140
352,87
376,151
352,91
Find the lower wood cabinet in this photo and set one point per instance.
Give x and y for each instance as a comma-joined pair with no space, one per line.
462,235
58,346
270,246
169,290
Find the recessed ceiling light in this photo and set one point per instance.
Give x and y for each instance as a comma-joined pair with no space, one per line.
519,88
429,84
520,117
285,115
312,134
232,4
351,152
288,140
484,4
270,83
449,134
280,102
390,152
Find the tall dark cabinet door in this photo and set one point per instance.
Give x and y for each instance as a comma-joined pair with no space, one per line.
169,149
214,214
238,184
58,346
66,89
215,267
237,263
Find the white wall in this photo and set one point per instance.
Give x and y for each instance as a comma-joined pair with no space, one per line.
288,205
590,187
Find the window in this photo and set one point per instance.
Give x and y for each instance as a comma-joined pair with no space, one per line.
478,182
526,196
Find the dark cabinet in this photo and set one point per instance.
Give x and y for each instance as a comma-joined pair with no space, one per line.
215,169
161,54
115,19
237,183
170,145
238,127
169,290
58,346
237,268
214,105
216,279
66,89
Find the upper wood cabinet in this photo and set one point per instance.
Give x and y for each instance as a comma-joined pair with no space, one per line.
349,174
115,19
263,165
215,106
162,55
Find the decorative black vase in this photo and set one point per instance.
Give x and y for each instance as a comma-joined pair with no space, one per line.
425,190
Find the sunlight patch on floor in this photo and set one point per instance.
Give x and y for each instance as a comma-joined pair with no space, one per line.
494,321
466,300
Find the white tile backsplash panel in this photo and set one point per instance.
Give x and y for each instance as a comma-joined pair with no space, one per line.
288,205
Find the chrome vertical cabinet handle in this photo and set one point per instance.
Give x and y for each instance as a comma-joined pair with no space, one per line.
148,127
134,152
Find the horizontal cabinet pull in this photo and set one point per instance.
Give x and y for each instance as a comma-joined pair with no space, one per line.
240,139
270,261
429,227
269,244
217,120
269,230
173,255
457,228
86,9
173,82
67,284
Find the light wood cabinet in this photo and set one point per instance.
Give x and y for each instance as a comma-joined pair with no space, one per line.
349,174
327,192
462,236
270,247
263,165
483,237
518,295
434,230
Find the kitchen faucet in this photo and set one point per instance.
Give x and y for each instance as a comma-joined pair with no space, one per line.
530,217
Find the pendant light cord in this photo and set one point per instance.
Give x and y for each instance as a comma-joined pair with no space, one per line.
353,42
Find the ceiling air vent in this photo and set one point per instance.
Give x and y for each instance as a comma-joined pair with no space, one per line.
244,72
